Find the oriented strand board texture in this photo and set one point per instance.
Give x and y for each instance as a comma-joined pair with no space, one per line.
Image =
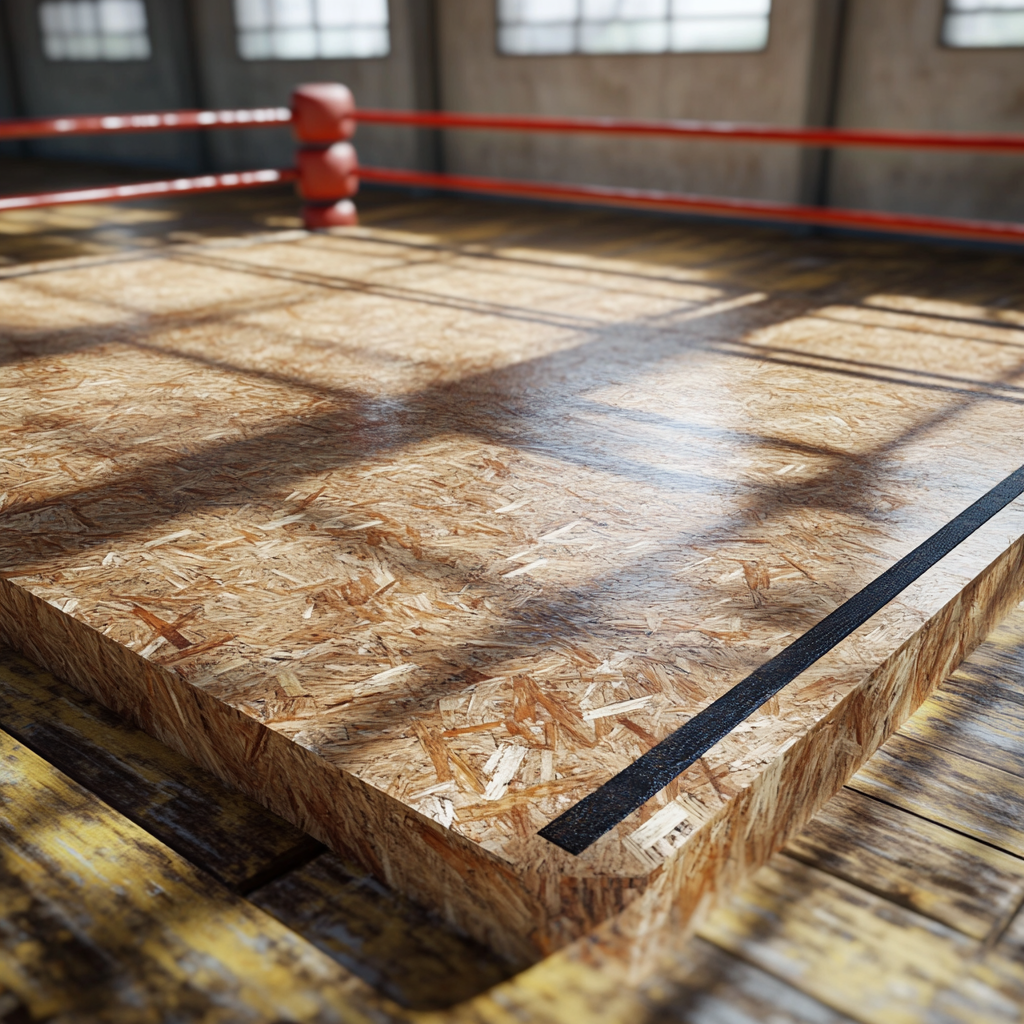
422,531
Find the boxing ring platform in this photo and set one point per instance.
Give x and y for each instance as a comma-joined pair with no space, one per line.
424,531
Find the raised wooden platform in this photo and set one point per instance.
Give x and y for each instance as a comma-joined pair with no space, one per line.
420,532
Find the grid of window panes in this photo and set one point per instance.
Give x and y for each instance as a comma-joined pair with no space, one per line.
632,26
311,29
94,29
983,23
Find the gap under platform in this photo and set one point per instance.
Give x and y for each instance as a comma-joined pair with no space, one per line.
421,531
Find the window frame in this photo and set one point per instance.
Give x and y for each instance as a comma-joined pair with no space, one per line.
303,60
944,45
41,36
576,54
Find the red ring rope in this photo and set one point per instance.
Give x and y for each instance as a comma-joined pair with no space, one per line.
723,130
102,124
759,209
146,190
711,205
31,128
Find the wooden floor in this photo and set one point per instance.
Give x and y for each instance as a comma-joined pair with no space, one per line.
135,886
448,518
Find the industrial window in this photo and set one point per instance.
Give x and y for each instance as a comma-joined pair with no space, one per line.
94,29
970,23
631,26
312,29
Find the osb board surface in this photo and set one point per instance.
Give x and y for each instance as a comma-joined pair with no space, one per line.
475,507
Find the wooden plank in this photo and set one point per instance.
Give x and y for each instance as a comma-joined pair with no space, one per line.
219,829
442,523
972,714
392,944
709,985
719,988
99,917
697,982
1011,942
859,953
948,788
403,953
12,1009
914,863
1000,665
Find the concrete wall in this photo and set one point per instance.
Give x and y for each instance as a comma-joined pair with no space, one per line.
897,75
401,79
9,106
71,87
890,71
8,82
195,63
772,85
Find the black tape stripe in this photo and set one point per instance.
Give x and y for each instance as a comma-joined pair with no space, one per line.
598,813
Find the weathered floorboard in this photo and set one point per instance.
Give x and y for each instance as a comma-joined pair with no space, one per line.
394,948
719,988
99,916
393,945
976,715
215,827
101,922
857,952
889,914
948,788
913,862
1011,942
